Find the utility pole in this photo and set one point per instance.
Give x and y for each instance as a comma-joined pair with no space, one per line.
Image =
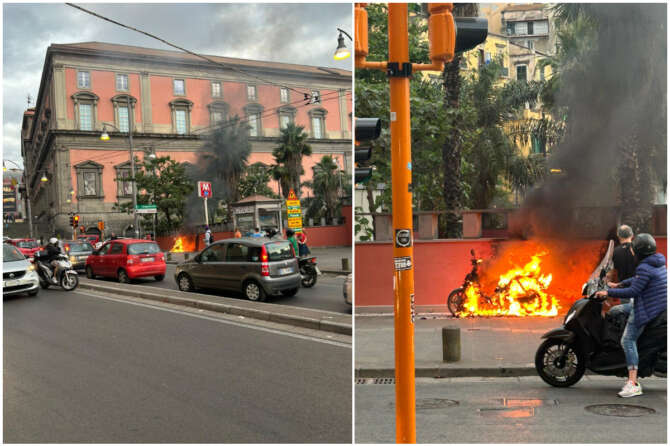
132,166
399,70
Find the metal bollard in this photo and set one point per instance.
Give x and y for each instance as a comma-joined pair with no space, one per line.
187,255
169,255
451,344
345,264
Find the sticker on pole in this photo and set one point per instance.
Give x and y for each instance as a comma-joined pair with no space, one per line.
402,263
411,306
403,238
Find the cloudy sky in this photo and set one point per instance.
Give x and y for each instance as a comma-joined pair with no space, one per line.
292,33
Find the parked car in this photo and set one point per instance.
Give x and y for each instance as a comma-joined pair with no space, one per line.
27,246
257,267
346,289
78,251
91,238
18,274
127,259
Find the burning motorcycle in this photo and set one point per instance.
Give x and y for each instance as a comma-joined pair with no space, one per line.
456,298
63,276
308,270
586,340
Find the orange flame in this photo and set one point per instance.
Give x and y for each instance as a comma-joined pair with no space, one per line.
521,291
178,245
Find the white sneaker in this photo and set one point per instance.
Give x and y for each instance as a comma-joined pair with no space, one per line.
630,389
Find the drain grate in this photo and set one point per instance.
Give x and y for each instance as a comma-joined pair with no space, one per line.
375,380
504,412
435,403
619,410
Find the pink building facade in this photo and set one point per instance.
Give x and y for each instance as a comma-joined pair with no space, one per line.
174,99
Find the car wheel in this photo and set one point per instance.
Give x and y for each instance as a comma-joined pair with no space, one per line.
122,275
89,272
291,292
34,292
159,278
254,292
185,283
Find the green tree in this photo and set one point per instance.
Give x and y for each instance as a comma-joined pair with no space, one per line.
164,182
288,158
327,182
255,181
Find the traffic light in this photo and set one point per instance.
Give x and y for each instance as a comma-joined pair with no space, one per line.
75,221
470,32
71,220
366,130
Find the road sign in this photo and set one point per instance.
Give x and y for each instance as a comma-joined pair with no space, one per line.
293,212
204,189
146,209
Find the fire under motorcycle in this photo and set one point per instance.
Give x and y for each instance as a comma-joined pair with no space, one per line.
63,276
586,340
308,270
456,298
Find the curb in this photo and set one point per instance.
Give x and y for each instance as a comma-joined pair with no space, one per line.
451,372
319,322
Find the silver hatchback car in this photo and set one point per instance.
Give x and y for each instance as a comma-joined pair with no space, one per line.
18,274
258,267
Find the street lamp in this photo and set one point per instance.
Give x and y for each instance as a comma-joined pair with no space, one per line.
342,52
105,137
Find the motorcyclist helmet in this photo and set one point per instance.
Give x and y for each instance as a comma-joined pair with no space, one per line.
53,240
644,245
289,232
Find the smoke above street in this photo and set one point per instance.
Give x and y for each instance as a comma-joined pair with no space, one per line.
613,97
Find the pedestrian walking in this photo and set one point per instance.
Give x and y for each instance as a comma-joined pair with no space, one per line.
208,236
238,234
257,233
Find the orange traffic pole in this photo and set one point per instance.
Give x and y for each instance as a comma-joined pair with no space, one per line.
399,70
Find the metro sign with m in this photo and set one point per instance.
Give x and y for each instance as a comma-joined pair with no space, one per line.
204,189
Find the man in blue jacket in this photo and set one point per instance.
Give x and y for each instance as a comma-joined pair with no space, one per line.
648,288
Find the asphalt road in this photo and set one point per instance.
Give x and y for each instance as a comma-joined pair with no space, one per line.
515,410
325,295
101,369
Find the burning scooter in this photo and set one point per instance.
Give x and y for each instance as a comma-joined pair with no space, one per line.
586,340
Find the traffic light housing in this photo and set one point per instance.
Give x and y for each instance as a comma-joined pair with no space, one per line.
470,32
75,221
366,130
71,220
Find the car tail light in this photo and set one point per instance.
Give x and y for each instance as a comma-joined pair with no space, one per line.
313,260
132,259
265,266
159,256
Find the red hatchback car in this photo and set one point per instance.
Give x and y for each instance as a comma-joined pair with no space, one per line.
127,259
27,246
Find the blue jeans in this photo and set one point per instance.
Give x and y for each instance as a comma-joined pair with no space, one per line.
630,335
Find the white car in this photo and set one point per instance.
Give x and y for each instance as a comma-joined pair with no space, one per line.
18,274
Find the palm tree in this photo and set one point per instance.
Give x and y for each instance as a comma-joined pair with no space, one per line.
288,158
326,182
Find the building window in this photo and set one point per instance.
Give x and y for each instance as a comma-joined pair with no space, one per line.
510,28
284,95
218,112
521,28
122,82
286,116
530,28
316,97
178,87
530,44
85,117
251,92
121,112
83,79
538,145
254,112
521,73
284,121
89,176
122,118
85,110
181,116
124,185
216,89
317,118
541,27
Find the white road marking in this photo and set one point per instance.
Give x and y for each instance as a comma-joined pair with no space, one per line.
213,319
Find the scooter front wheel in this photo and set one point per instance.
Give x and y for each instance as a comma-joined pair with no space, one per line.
559,364
455,301
69,281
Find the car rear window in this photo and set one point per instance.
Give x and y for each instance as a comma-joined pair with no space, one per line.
279,251
10,253
80,247
27,245
143,248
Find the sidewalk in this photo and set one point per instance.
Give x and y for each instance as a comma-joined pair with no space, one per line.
329,259
490,347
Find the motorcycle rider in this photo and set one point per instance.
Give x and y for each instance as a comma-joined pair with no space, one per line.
649,289
290,236
51,252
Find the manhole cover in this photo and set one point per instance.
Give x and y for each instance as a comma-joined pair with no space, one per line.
500,412
620,410
434,403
